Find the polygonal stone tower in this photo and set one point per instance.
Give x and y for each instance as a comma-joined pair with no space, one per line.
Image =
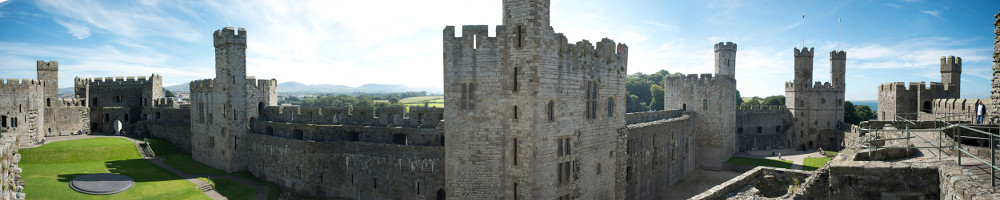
725,59
951,74
804,66
838,68
48,73
530,116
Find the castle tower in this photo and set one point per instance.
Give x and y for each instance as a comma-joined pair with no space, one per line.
526,13
804,66
951,74
48,73
230,56
725,59
838,68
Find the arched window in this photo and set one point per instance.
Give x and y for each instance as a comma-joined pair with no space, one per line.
684,107
269,131
48,102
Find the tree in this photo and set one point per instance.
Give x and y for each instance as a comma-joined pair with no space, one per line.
850,116
633,104
755,101
657,102
167,93
739,99
776,100
394,100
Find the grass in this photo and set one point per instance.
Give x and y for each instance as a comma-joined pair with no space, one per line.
180,160
752,162
48,170
185,163
811,164
234,190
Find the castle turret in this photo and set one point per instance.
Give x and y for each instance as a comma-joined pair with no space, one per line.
526,13
838,68
725,59
230,54
804,66
48,73
951,73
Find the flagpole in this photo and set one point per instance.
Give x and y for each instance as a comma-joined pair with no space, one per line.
838,33
803,30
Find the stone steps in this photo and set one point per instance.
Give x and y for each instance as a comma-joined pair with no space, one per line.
206,187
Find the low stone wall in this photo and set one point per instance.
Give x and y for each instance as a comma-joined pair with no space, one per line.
640,117
11,185
759,183
333,133
348,170
69,120
659,153
884,180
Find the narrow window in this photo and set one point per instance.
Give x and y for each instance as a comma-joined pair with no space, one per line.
515,79
684,107
465,96
515,112
519,36
93,102
48,102
760,130
474,38
560,154
157,115
472,96
551,111
777,129
515,152
515,190
3,121
611,106
568,152
704,104
374,183
559,170
107,117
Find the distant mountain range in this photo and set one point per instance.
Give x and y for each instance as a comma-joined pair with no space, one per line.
293,87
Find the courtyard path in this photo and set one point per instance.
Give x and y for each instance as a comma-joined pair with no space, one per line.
262,191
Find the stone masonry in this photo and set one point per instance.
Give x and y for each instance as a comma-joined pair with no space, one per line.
994,107
895,99
818,108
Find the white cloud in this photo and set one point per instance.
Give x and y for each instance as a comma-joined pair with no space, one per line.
132,21
79,31
934,13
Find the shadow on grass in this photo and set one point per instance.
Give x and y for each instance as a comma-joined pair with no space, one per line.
69,177
139,170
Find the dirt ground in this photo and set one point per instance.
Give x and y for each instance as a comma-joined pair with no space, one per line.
696,182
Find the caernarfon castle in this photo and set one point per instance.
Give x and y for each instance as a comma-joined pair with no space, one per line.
528,115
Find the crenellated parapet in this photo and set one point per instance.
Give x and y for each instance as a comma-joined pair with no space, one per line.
230,35
202,86
120,80
695,79
17,83
72,102
762,108
816,86
726,46
422,117
805,52
165,103
838,55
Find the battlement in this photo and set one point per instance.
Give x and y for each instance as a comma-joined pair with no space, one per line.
51,65
805,52
13,82
725,46
707,77
951,64
126,80
816,86
230,35
914,86
165,103
838,55
474,36
752,108
71,102
202,86
367,116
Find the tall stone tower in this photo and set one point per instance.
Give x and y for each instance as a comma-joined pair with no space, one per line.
725,59
222,108
804,66
994,109
529,115
951,74
838,67
48,73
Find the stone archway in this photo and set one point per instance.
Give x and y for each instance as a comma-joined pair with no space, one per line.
441,194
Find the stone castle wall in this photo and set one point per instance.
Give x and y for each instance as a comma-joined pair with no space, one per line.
763,127
714,99
994,107
659,152
67,120
22,109
910,100
170,124
954,110
11,185
348,169
817,107
422,117
127,95
500,141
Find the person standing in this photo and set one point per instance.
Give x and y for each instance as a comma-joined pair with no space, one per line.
980,111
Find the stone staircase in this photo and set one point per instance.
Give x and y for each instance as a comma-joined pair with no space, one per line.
206,187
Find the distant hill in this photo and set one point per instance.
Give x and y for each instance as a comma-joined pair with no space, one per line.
183,87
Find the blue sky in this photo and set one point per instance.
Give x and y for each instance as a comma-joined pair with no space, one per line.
399,42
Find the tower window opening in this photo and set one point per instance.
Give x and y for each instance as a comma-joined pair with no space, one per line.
519,36
515,112
551,111
474,41
515,79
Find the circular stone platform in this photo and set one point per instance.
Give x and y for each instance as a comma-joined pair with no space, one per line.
101,183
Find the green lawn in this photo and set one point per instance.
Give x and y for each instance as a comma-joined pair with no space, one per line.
48,170
811,164
234,190
183,162
744,161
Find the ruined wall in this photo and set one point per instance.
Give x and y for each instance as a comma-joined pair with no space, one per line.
884,180
347,169
713,98
22,109
170,124
660,151
994,107
763,127
758,183
67,120
521,72
11,184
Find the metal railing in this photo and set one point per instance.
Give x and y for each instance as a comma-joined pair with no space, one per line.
943,121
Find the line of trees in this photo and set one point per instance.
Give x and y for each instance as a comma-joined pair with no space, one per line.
643,92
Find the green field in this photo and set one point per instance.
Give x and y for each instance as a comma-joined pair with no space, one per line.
752,162
810,164
229,188
48,170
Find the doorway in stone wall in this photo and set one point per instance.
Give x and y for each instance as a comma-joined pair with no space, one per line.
440,194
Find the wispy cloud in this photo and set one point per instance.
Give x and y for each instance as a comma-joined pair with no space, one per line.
130,20
79,31
934,13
